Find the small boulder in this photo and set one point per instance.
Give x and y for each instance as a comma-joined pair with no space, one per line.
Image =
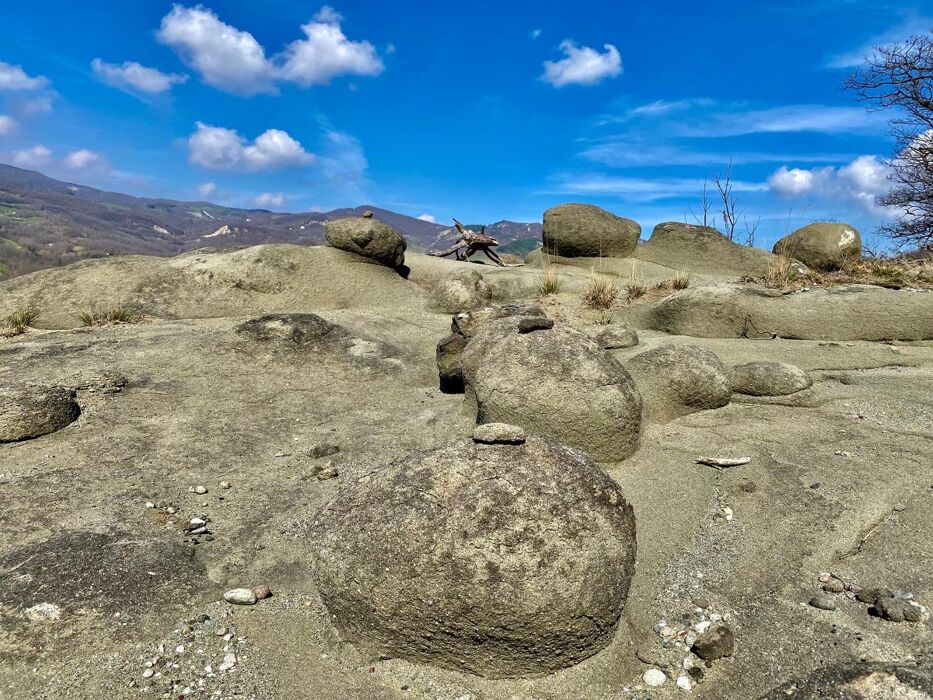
675,380
369,238
616,337
498,560
769,379
586,231
31,410
555,382
470,323
460,291
822,246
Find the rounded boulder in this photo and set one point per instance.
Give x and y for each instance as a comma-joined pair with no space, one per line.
460,291
823,246
675,380
584,230
369,238
31,410
499,560
556,382
769,379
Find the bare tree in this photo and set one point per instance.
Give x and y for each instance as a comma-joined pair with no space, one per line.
729,214
900,77
705,206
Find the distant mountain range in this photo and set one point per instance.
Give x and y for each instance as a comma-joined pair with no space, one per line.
46,223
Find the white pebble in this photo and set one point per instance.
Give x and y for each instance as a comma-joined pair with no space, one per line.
654,677
148,673
224,484
240,596
180,649
683,682
200,489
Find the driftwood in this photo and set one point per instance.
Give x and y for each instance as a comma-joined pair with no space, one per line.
723,462
471,242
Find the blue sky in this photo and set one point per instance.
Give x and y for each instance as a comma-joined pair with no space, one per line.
481,110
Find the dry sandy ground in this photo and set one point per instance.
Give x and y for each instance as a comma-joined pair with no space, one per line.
840,481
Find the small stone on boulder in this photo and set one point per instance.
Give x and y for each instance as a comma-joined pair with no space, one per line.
584,230
470,323
535,323
717,642
31,410
499,434
369,238
769,379
498,560
675,380
616,337
823,246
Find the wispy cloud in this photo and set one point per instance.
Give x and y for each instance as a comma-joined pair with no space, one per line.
640,188
912,24
134,77
799,118
631,152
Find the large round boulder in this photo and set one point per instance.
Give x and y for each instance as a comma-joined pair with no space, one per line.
584,230
823,246
30,410
368,237
769,379
460,291
555,382
675,380
497,559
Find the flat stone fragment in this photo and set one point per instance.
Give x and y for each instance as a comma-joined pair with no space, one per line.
499,433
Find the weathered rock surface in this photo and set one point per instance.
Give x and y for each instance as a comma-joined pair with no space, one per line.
614,337
460,291
557,383
702,250
674,380
823,246
499,560
499,433
449,368
584,230
470,323
31,410
852,312
860,681
769,379
368,237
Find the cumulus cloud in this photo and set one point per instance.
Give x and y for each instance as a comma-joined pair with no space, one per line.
429,218
233,60
15,78
7,124
206,189
34,157
860,182
269,199
217,148
82,159
131,75
582,65
326,53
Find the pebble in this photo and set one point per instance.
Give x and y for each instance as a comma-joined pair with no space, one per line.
328,473
262,592
228,663
224,484
200,490
717,642
367,214
148,673
823,602
535,323
323,449
834,585
654,677
872,595
701,602
240,596
684,682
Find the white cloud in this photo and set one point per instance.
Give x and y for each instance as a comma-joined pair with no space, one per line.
227,58
7,125
206,189
534,33
657,107
233,60
786,119
861,181
81,159
328,14
15,78
643,189
34,157
631,151
910,26
343,161
133,76
269,199
429,218
326,53
582,65
217,148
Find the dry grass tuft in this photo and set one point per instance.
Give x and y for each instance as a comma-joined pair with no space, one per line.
21,319
550,283
778,275
679,281
636,285
115,314
601,292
